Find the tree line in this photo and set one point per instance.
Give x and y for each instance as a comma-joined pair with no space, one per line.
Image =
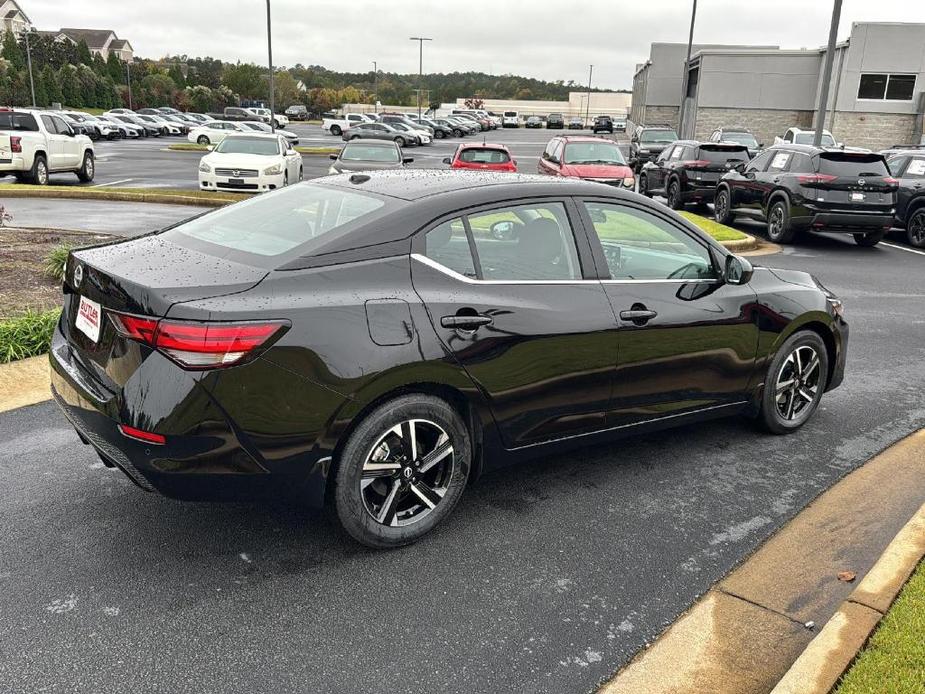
75,77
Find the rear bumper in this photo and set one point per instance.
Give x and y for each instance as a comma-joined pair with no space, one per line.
844,222
694,191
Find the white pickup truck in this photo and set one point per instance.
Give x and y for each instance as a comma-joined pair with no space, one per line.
34,144
337,126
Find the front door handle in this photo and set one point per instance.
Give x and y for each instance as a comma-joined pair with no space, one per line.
466,322
638,316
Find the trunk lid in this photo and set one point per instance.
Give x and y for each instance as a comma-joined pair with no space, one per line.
851,180
143,276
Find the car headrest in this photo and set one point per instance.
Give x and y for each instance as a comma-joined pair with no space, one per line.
440,236
541,239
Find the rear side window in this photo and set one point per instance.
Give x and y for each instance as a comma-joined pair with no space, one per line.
916,169
448,245
780,161
480,155
800,163
845,165
10,120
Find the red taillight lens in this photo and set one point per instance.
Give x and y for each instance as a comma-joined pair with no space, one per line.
140,435
196,345
810,179
15,143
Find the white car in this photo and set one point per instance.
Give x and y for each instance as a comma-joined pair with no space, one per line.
34,144
250,163
281,120
422,136
212,132
799,136
165,126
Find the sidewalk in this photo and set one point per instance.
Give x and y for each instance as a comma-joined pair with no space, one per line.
118,218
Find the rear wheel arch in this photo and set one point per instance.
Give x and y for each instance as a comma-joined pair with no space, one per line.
915,205
778,195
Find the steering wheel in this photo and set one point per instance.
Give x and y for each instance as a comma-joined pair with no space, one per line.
681,272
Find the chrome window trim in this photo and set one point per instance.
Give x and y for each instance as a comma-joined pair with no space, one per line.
471,280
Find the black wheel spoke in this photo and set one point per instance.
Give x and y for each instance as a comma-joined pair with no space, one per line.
389,506
426,494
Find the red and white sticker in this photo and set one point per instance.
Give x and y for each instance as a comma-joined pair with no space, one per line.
88,318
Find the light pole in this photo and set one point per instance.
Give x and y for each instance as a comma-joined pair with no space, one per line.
375,82
827,74
270,60
420,40
128,81
29,60
687,65
588,105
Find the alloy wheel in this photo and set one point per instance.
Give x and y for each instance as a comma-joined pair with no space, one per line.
407,472
41,173
719,206
797,385
915,230
775,222
88,167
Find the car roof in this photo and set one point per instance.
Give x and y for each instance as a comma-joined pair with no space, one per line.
583,138
905,152
483,145
812,150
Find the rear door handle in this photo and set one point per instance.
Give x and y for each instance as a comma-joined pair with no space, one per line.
466,322
638,315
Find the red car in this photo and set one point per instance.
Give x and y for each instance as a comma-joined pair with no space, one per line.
484,157
590,158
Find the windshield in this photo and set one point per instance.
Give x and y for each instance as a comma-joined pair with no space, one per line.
290,221
665,136
248,145
358,152
807,139
746,139
593,153
484,155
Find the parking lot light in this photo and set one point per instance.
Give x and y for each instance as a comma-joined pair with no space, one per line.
420,40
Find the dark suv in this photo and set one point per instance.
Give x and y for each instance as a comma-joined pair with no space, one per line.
602,124
555,121
688,171
740,136
909,167
647,143
801,187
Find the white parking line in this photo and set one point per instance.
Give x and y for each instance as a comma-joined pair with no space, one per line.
902,248
113,183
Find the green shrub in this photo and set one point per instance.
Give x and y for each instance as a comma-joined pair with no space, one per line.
27,335
56,261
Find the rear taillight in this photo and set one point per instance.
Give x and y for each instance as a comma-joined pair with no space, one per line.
15,143
811,179
891,181
141,435
198,345
696,164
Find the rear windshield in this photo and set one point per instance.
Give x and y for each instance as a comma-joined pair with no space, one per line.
358,152
479,155
721,155
746,139
807,139
854,166
510,114
10,120
666,136
602,152
275,227
249,145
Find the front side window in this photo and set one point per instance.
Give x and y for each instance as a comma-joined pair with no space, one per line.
884,87
639,245
531,242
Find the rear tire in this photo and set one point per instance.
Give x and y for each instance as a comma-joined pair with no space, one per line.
87,169
336,130
202,140
792,394
39,173
674,196
439,134
780,230
644,186
379,506
869,240
915,228
722,209
400,141
457,133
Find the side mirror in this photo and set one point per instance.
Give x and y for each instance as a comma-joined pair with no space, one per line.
502,229
407,160
332,156
71,132
760,145
447,160
738,270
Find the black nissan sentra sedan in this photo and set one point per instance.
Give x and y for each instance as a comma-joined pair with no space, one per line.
379,340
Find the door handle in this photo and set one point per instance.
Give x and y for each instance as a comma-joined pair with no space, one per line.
466,322
638,316
777,179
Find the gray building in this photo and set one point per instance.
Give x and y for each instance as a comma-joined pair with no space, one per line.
875,99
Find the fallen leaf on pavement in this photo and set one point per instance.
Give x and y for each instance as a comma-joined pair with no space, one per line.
847,576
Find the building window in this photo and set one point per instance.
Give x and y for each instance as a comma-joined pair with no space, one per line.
882,87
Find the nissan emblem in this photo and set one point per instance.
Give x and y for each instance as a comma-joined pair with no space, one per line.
78,274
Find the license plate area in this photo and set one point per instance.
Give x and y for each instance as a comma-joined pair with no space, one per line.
89,316
236,181
857,197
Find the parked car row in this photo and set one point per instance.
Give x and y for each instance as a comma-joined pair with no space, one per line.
214,131
455,125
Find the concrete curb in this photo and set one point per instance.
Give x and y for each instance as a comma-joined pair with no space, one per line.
741,245
24,382
829,655
60,192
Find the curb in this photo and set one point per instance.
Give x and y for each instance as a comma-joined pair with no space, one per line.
24,382
61,192
829,655
740,245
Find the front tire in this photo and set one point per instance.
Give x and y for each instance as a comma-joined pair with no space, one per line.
869,240
336,130
722,209
202,140
780,230
402,471
644,186
796,380
915,228
400,141
457,133
87,169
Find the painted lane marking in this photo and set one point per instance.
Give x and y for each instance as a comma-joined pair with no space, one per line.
902,248
113,183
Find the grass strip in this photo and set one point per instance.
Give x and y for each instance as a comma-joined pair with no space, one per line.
894,658
27,335
193,147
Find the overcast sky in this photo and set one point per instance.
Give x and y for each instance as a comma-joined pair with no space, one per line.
536,38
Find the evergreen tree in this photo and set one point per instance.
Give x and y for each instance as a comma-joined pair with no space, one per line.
83,53
70,87
51,85
41,91
22,96
115,68
99,65
12,52
176,74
